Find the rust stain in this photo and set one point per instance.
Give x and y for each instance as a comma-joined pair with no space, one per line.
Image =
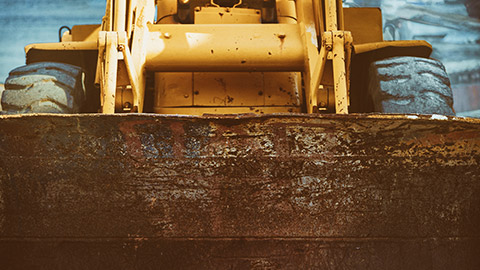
131,138
179,138
260,190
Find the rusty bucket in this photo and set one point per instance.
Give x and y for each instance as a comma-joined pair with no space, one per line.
287,191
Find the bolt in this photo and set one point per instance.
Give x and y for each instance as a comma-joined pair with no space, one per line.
329,47
260,93
281,35
197,9
127,105
167,35
186,96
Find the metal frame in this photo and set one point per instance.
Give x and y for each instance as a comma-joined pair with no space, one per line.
131,41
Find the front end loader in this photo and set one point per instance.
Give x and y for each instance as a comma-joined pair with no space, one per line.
236,134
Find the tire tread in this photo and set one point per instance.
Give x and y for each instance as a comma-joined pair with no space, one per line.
410,85
44,87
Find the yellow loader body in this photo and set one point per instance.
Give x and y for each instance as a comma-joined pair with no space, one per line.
222,134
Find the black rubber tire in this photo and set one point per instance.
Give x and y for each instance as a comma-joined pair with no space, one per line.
473,8
44,87
407,85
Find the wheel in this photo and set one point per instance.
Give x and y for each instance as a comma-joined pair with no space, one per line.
410,85
44,87
473,8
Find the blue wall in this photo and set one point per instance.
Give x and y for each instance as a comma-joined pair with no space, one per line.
33,21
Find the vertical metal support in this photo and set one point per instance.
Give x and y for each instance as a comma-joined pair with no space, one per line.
318,11
145,13
331,15
109,44
108,18
306,20
320,66
130,17
341,18
110,78
131,71
348,58
334,13
102,41
339,73
120,15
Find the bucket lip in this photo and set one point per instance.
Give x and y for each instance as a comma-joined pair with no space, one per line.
354,116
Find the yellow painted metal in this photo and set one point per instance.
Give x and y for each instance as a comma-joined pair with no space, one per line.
64,46
84,32
222,15
173,89
237,44
228,89
145,15
318,13
286,12
348,39
166,11
326,98
131,71
336,42
123,79
340,15
130,17
111,65
119,17
419,46
235,91
320,67
333,47
365,24
339,73
100,69
283,89
331,15
306,22
107,21
228,110
236,47
124,99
